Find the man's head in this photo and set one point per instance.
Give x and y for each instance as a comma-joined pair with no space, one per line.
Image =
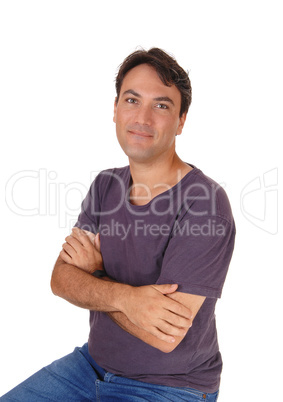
153,96
167,69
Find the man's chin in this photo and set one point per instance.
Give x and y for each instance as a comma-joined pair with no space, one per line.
140,158
139,155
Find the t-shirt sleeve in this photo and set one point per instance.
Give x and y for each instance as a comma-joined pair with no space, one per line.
88,218
198,256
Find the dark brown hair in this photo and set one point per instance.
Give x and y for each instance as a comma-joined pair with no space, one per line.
167,69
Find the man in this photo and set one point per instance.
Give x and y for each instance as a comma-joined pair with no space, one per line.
148,257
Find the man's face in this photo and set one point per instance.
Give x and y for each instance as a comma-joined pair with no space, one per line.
147,116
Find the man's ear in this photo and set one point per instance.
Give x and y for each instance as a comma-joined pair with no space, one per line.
181,123
115,109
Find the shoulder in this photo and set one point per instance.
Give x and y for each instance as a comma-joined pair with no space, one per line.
205,197
109,177
112,172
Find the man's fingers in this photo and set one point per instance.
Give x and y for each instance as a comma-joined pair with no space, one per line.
171,330
69,249
65,257
167,331
166,289
179,310
177,326
91,236
153,311
162,336
175,307
81,236
97,242
72,241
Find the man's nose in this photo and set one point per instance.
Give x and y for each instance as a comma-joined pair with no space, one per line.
144,115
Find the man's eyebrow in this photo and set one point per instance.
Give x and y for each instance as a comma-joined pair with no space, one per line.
158,99
132,92
164,99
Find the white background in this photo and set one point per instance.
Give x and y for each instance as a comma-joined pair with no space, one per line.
58,64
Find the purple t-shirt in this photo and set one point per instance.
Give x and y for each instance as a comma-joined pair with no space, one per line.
185,235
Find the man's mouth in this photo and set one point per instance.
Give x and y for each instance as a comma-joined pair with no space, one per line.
140,133
140,130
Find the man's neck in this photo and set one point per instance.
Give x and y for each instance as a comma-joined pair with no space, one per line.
152,179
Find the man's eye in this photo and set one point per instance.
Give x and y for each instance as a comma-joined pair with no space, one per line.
161,106
131,100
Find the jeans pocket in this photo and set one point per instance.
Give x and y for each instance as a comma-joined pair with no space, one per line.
194,395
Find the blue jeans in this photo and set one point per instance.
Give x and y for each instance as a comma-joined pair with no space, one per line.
77,377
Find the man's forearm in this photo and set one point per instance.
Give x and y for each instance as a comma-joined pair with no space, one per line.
120,319
82,289
146,307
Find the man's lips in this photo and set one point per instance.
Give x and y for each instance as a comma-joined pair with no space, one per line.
141,130
140,133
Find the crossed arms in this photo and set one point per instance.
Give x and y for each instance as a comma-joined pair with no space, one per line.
157,314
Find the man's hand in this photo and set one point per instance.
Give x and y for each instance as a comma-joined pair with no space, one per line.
149,309
82,249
